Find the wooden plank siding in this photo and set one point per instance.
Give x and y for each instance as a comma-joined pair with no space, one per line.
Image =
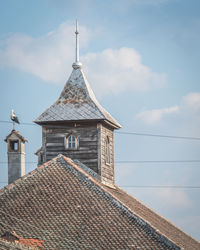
91,146
107,170
87,151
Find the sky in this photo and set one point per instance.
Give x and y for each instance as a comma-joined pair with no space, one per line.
141,58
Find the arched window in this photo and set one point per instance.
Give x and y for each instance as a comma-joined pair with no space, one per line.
107,150
71,142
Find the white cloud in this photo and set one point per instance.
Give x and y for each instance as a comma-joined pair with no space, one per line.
191,103
155,115
50,57
47,57
112,71
188,111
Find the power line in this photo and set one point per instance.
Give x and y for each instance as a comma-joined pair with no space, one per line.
159,135
21,123
28,162
161,161
128,133
155,186
131,161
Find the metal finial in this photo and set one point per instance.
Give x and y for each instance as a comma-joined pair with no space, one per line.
77,42
77,64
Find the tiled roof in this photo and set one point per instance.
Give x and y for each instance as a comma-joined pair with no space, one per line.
76,102
12,239
6,245
67,207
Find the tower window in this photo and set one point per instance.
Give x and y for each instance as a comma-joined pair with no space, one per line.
107,150
14,145
71,142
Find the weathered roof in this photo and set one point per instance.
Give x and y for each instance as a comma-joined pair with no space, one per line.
15,132
6,245
12,238
76,102
16,245
67,207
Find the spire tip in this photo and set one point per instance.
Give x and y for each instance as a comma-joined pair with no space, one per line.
77,64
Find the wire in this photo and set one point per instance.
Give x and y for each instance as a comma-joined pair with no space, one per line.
128,133
153,161
160,161
28,162
159,135
152,186
21,123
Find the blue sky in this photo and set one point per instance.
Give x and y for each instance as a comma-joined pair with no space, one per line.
141,58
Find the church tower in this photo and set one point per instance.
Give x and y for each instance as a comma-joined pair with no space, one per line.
77,126
16,155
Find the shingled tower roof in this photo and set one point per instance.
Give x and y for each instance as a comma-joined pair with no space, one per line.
77,101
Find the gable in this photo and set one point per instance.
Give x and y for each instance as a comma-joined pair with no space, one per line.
65,206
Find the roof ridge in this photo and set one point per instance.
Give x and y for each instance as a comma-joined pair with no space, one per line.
107,189
162,217
116,200
118,197
153,212
98,105
22,178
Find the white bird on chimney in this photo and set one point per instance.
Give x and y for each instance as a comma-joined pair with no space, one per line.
14,118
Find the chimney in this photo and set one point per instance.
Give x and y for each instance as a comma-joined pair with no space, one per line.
16,155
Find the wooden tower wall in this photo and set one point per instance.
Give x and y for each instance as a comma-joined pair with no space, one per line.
87,151
91,146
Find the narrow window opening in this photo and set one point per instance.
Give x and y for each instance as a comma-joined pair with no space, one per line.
107,150
14,145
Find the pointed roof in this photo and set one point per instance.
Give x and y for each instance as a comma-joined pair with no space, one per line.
77,102
65,206
15,132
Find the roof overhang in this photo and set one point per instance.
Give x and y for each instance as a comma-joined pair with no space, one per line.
86,121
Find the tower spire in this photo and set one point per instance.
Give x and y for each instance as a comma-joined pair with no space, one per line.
77,64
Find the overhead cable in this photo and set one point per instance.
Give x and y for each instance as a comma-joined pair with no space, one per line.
129,133
159,135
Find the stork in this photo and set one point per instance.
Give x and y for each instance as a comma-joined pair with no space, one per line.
14,118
